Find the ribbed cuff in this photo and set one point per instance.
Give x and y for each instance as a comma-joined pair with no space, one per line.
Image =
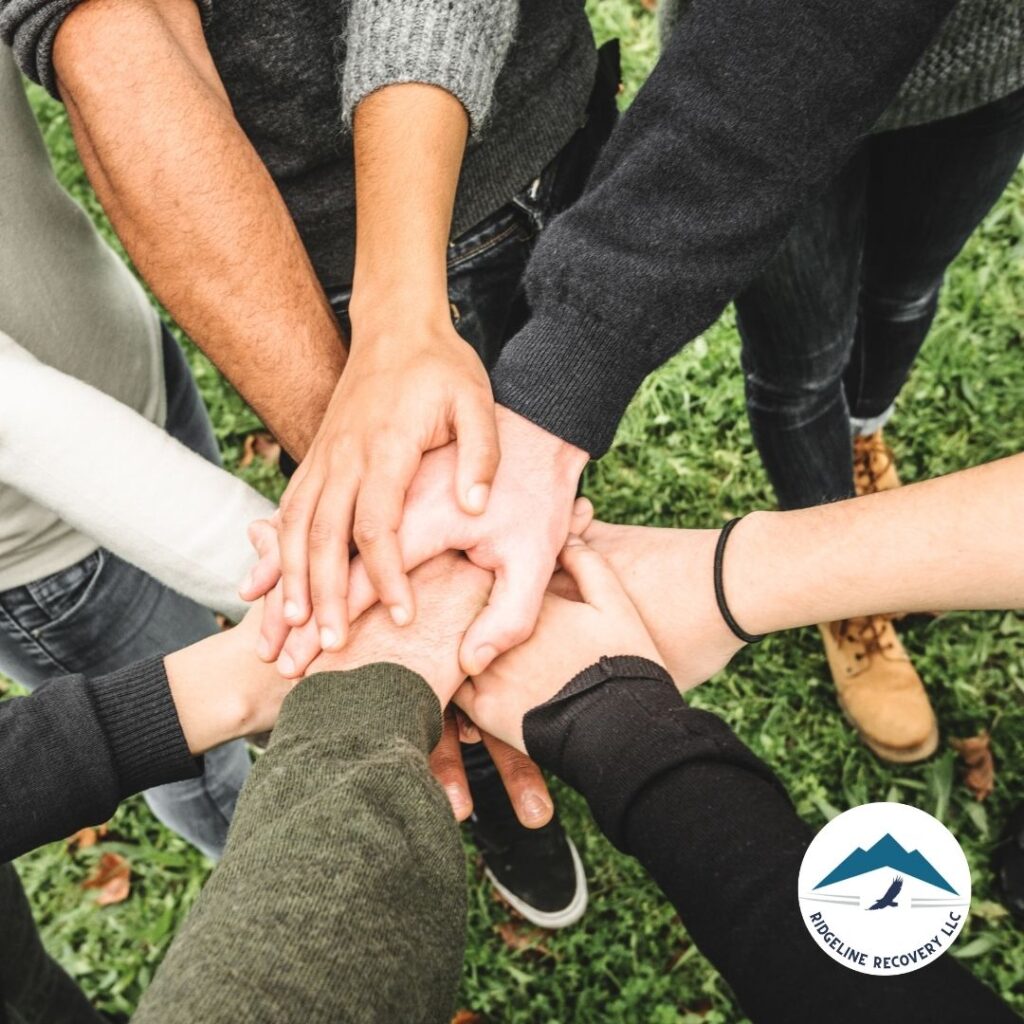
459,47
362,710
620,725
138,716
569,374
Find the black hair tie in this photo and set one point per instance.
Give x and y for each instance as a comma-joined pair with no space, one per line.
747,638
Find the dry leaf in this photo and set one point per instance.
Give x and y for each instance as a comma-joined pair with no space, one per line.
467,1017
649,5
976,755
523,939
260,445
86,837
112,876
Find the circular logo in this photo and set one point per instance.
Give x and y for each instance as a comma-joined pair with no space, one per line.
884,889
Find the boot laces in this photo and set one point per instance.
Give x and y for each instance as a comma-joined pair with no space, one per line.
872,457
868,633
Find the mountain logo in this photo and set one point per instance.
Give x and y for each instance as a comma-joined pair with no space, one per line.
884,888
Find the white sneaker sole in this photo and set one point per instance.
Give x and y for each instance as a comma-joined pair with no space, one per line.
550,919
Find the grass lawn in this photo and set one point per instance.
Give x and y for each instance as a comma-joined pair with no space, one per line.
684,456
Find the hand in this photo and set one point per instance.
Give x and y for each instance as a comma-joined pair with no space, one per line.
221,690
452,591
405,390
570,636
528,517
668,577
523,780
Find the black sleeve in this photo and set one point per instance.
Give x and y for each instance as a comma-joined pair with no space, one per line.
75,748
753,107
674,787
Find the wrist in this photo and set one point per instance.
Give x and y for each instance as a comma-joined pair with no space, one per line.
564,456
401,299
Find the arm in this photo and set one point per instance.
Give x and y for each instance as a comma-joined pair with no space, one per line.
753,106
675,788
149,499
418,77
189,197
76,747
953,542
341,895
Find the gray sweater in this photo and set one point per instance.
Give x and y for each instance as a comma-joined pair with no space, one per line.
294,71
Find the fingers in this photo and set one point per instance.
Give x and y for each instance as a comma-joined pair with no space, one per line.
594,577
523,781
273,628
328,563
478,453
510,615
446,766
267,570
378,517
582,516
300,649
298,507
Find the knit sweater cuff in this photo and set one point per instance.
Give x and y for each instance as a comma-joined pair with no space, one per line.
459,47
138,716
620,725
29,27
568,374
362,711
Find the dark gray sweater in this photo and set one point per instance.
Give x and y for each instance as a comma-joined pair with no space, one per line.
294,71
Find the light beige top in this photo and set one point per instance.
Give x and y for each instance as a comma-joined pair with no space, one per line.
67,298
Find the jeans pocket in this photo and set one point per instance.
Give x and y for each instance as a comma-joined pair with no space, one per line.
61,596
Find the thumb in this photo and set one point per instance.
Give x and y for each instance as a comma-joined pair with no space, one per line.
267,570
478,453
594,577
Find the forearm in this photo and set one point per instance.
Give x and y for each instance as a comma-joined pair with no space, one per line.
196,208
149,499
752,108
675,788
409,141
341,892
951,543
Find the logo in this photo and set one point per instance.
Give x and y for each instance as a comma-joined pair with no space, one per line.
884,889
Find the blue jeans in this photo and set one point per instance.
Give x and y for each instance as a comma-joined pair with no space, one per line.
102,614
832,326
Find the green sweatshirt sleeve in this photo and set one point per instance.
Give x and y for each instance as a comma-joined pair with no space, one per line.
341,895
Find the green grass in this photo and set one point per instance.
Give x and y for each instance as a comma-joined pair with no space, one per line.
684,456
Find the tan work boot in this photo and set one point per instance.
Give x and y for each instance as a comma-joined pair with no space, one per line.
874,466
879,690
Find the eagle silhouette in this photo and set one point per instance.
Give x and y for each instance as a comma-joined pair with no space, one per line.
889,899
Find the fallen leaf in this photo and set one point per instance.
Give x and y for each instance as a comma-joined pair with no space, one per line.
467,1017
976,755
523,939
86,837
649,5
260,445
112,876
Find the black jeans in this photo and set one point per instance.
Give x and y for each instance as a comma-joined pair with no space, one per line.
486,263
833,324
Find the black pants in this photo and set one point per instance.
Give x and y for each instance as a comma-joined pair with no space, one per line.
832,326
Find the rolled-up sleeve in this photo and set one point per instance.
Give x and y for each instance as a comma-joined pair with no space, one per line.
458,45
29,27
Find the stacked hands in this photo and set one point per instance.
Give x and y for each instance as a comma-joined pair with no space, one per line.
607,596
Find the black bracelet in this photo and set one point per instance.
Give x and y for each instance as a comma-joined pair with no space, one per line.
747,638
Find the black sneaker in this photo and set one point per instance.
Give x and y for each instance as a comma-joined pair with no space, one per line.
537,871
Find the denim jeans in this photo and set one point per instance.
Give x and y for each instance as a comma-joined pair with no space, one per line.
102,614
831,327
486,263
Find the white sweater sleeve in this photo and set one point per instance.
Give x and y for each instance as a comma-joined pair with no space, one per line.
135,490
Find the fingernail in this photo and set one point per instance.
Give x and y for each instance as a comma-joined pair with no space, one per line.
285,665
328,639
573,540
535,808
263,649
484,656
400,615
291,611
457,798
476,498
